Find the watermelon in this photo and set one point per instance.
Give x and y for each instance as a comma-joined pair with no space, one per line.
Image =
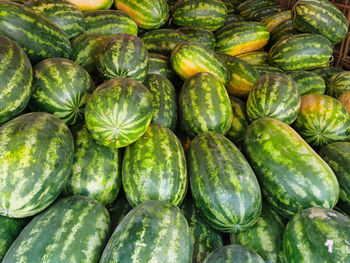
119,210
320,17
345,100
32,177
239,121
199,34
249,6
308,82
96,170
196,13
291,175
338,84
16,79
164,100
267,69
64,14
264,12
317,235
255,58
276,96
274,20
232,18
282,30
152,232
327,72
322,120
241,37
204,105
123,55
119,112
147,14
301,52
109,22
233,253
88,5
160,64
223,185
54,78
74,229
189,58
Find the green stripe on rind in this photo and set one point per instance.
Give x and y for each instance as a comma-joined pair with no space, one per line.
61,87
109,22
317,235
267,69
159,64
96,170
233,253
274,20
39,37
64,14
119,112
16,76
199,34
152,232
255,58
36,154
74,229
223,185
239,121
123,55
204,105
301,52
281,31
338,84
274,95
308,82
196,13
119,210
233,18
264,12
322,120
327,72
154,168
248,5
291,175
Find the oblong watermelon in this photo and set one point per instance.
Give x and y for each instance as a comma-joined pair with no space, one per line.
338,84
275,19
240,121
308,82
327,72
282,30
199,34
267,69
233,253
264,12
255,58
232,18
248,6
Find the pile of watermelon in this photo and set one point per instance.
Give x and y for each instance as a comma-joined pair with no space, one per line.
173,131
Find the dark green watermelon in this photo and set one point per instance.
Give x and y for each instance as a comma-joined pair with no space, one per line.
160,64
199,34
233,253
338,84
308,82
240,121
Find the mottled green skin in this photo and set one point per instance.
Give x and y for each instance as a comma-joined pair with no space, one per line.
152,232
197,12
264,12
204,105
327,72
164,100
338,84
63,13
123,55
276,96
119,112
199,34
267,69
86,49
204,238
39,37
265,237
322,120
255,58
119,210
317,235
16,77
239,120
10,228
232,18
308,82
36,154
160,64
109,22
275,19
337,155
223,185
320,17
61,87
248,6
154,168
301,52
74,229
291,175
282,30
96,170
233,253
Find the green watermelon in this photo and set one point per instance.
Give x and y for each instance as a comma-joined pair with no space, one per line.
199,34
160,64
264,12
267,69
119,210
239,121
308,82
233,253
345,100
119,112
255,58
338,84
74,229
282,30
327,72
249,6
275,19
88,5
232,18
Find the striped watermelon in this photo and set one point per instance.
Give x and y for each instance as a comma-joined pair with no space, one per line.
109,22
267,69
196,13
152,232
199,34
322,120
88,5
39,37
338,84
64,14
249,6
308,82
160,64
291,175
16,79
255,58
74,229
119,210
123,55
327,72
96,168
147,14
204,105
36,154
164,100
54,79
345,100
119,112
233,253
239,121
274,20
282,30
276,96
301,52
241,37
264,12
317,235
232,18
223,185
